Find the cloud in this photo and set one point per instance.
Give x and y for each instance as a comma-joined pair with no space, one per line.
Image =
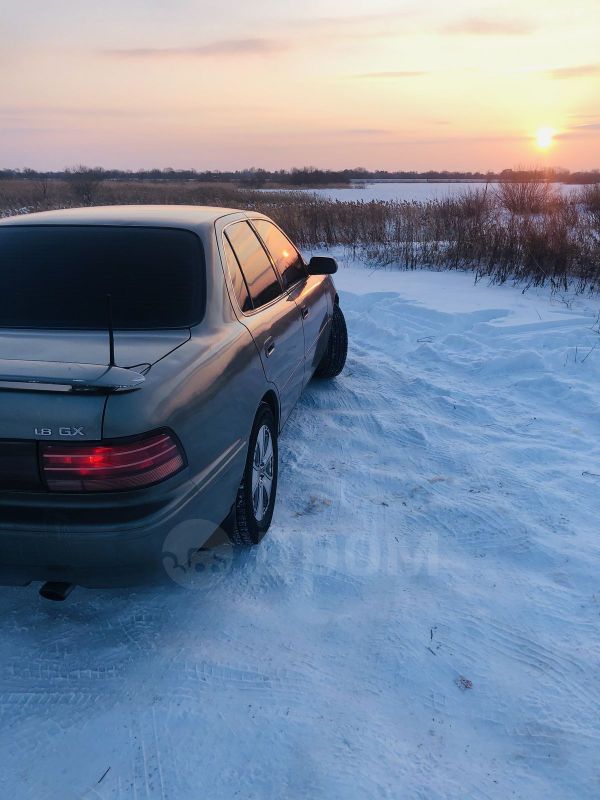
352,133
222,47
485,26
585,116
581,71
67,115
465,139
352,20
21,131
581,132
71,111
403,73
362,131
356,27
356,23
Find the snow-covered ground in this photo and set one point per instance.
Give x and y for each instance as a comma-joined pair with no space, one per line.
423,620
412,191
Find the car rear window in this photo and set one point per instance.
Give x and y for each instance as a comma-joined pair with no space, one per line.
60,276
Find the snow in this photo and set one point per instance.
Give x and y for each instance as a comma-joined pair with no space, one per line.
422,620
399,191
413,191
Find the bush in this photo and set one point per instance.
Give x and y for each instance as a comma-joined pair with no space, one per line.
84,183
589,198
526,197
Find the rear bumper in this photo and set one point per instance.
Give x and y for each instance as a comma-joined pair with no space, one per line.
117,541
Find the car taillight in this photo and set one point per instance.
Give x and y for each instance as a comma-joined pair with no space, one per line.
111,467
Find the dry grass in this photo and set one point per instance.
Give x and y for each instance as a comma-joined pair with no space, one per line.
526,232
589,198
526,197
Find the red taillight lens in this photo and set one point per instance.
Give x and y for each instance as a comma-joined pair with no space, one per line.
96,467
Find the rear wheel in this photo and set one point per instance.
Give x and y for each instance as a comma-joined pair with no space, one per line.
253,510
334,358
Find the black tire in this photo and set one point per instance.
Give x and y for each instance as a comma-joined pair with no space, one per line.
242,526
334,358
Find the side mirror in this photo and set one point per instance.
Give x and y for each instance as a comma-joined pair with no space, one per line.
322,265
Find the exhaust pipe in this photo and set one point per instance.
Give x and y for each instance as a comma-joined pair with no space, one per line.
57,591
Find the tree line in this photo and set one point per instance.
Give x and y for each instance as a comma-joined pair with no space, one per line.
298,176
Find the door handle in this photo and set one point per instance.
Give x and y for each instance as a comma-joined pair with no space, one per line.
305,311
269,347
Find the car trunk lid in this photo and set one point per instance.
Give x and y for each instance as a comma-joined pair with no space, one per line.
54,384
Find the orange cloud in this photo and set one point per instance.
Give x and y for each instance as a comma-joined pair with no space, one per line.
581,71
404,73
484,26
223,47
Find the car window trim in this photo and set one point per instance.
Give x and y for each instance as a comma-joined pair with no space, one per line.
272,302
241,273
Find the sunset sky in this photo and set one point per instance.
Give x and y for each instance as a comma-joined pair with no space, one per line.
331,83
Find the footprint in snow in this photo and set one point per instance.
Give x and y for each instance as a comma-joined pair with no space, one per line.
463,683
315,506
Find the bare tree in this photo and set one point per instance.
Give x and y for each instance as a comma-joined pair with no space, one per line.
39,181
253,178
84,182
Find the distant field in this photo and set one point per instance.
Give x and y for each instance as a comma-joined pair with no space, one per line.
534,232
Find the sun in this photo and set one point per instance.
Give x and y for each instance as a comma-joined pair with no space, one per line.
544,138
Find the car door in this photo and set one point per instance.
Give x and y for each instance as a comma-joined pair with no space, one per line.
308,291
271,316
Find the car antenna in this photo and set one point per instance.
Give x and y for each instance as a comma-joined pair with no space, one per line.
111,333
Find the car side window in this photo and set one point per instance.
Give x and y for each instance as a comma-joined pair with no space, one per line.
237,279
287,259
261,279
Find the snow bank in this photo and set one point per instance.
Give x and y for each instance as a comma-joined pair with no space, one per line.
423,619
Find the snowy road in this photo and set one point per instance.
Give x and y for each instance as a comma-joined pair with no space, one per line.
423,620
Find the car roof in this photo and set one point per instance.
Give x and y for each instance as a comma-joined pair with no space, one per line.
173,216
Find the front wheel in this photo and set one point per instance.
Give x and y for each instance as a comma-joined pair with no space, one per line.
253,510
334,358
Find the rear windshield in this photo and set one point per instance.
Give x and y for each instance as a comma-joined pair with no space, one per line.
61,276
